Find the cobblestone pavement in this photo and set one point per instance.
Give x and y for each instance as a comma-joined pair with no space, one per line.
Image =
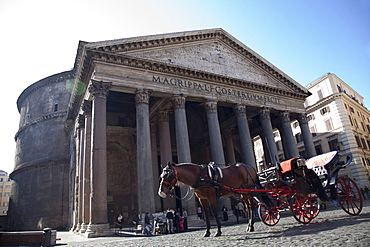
332,227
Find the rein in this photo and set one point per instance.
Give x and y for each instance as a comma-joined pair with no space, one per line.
171,186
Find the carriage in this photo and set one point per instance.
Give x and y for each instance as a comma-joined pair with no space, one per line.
299,185
295,185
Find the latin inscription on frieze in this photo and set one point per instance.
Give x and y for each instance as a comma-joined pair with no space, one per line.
215,89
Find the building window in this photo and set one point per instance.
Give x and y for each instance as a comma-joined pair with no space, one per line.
318,148
351,110
310,117
1,179
356,125
329,124
277,145
358,141
298,137
1,194
333,145
350,119
319,93
6,194
313,130
363,126
363,143
7,186
55,107
325,110
339,88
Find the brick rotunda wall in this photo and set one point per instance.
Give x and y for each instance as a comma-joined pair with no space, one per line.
39,196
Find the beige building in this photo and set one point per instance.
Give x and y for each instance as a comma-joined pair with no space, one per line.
338,120
5,189
94,148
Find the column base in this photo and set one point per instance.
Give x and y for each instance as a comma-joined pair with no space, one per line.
83,227
98,230
78,227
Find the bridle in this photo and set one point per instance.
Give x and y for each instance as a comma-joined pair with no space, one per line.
170,172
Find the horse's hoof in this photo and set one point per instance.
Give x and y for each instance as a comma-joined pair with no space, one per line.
250,229
218,234
207,234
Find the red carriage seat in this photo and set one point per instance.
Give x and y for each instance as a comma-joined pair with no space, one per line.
286,165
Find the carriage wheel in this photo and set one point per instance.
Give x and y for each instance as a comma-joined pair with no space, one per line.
269,215
302,209
315,205
349,196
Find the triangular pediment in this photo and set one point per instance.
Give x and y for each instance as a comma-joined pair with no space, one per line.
212,51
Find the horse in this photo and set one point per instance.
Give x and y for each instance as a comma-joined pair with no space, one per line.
208,190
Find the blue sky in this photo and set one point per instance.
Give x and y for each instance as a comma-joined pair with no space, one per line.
303,38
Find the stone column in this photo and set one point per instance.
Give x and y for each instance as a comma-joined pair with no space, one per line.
81,126
214,133
165,148
144,153
182,145
230,154
246,143
264,114
76,224
153,144
86,108
215,139
164,137
307,136
181,126
98,225
288,135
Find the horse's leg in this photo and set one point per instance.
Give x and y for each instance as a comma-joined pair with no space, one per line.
205,206
213,203
249,205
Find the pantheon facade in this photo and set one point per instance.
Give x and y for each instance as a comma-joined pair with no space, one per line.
130,106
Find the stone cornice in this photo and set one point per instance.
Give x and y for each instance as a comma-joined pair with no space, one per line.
186,72
39,120
34,165
157,41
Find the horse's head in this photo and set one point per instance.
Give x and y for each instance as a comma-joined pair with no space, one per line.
168,180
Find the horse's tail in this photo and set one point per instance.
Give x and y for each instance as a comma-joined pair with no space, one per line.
263,197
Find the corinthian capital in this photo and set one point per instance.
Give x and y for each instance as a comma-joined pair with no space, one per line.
302,119
142,96
240,110
178,101
264,113
164,116
285,116
87,107
211,106
100,89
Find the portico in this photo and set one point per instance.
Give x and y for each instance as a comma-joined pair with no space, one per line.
196,96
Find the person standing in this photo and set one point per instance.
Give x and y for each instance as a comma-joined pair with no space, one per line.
169,216
236,213
224,212
185,218
120,221
200,212
147,225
